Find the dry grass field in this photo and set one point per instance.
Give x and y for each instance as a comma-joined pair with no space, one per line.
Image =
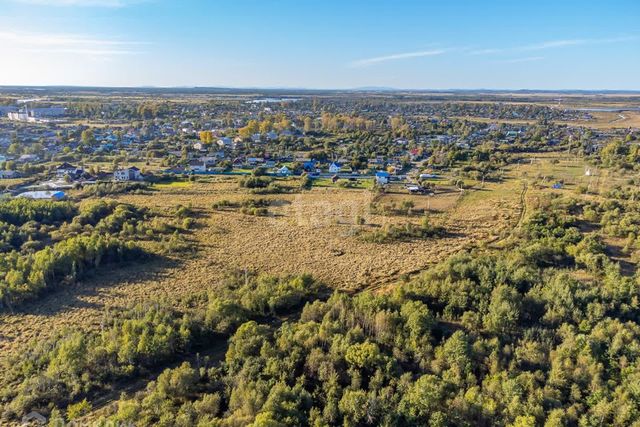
601,120
309,232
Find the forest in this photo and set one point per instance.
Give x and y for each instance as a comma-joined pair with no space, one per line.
47,244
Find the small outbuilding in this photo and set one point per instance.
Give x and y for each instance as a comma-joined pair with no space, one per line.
43,195
382,177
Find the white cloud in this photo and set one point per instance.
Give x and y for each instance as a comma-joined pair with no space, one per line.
394,57
81,3
485,51
518,60
66,44
553,44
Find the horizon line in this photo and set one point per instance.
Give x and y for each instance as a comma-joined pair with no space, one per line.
334,89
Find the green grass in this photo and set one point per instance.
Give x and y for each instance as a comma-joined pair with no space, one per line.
174,184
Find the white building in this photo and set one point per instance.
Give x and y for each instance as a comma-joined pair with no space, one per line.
21,116
128,174
283,171
197,166
334,168
36,114
225,142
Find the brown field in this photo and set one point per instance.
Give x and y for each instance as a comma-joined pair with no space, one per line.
309,232
601,120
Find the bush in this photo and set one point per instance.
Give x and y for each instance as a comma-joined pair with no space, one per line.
221,204
255,182
102,189
393,233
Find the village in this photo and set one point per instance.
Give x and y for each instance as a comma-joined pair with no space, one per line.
50,145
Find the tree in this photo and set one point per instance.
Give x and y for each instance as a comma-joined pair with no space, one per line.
308,124
283,124
422,400
79,409
364,355
251,128
353,405
14,149
87,137
266,126
504,310
206,136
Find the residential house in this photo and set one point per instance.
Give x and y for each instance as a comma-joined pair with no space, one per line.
428,176
28,158
334,167
254,160
271,136
128,174
225,142
512,134
67,169
283,171
197,166
309,165
209,160
382,177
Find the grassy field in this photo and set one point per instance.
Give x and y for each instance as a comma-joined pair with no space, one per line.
313,231
328,183
174,184
601,120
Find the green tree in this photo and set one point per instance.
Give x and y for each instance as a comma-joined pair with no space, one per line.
504,310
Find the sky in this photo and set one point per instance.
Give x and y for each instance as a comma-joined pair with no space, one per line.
323,44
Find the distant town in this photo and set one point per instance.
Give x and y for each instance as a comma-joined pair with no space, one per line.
54,143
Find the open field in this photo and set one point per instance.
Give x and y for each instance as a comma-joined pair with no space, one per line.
309,232
601,120
313,232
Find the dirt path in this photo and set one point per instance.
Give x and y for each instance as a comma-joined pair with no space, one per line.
523,204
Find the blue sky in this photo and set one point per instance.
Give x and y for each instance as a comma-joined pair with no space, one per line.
322,44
